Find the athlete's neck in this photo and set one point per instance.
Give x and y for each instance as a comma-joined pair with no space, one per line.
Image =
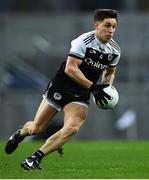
99,39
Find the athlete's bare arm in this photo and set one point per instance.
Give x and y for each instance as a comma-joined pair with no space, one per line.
75,73
109,75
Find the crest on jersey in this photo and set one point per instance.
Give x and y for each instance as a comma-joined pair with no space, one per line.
110,57
92,51
57,96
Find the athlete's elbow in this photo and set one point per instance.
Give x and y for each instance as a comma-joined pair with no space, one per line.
69,71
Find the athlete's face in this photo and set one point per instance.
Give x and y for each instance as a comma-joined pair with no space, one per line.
105,29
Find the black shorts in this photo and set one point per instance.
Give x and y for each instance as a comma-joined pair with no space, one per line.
58,94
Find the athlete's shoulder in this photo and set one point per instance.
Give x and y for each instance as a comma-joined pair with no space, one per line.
113,44
87,37
78,45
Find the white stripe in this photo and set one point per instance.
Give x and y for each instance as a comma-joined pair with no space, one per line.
80,103
54,105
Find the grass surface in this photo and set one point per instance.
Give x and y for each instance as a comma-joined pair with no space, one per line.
82,160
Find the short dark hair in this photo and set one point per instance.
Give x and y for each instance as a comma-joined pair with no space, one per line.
101,14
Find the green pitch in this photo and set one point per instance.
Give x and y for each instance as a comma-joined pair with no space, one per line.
82,160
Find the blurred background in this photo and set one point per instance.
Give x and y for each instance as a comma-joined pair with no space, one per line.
35,38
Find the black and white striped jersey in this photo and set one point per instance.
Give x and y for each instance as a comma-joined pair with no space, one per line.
95,56
87,41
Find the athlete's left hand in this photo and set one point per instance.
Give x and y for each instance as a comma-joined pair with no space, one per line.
99,94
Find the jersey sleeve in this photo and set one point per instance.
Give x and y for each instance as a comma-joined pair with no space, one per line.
78,48
116,60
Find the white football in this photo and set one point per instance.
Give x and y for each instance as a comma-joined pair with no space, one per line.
111,91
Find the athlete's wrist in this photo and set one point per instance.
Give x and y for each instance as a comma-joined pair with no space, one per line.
92,87
98,87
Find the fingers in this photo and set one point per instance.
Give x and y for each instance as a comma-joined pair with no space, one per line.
106,95
103,101
105,85
101,96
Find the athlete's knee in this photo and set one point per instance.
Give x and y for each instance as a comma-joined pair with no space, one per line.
69,131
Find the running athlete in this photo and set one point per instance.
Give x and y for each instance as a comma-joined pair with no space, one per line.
92,54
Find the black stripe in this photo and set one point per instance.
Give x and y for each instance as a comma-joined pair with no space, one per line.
90,40
114,46
88,37
75,56
114,43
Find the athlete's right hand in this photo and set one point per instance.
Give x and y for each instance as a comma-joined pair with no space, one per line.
99,94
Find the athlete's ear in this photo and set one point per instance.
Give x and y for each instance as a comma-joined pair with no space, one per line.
96,23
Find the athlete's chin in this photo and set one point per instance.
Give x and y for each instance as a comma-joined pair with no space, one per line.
108,38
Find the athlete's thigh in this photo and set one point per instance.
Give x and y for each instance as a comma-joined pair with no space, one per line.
44,114
75,114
